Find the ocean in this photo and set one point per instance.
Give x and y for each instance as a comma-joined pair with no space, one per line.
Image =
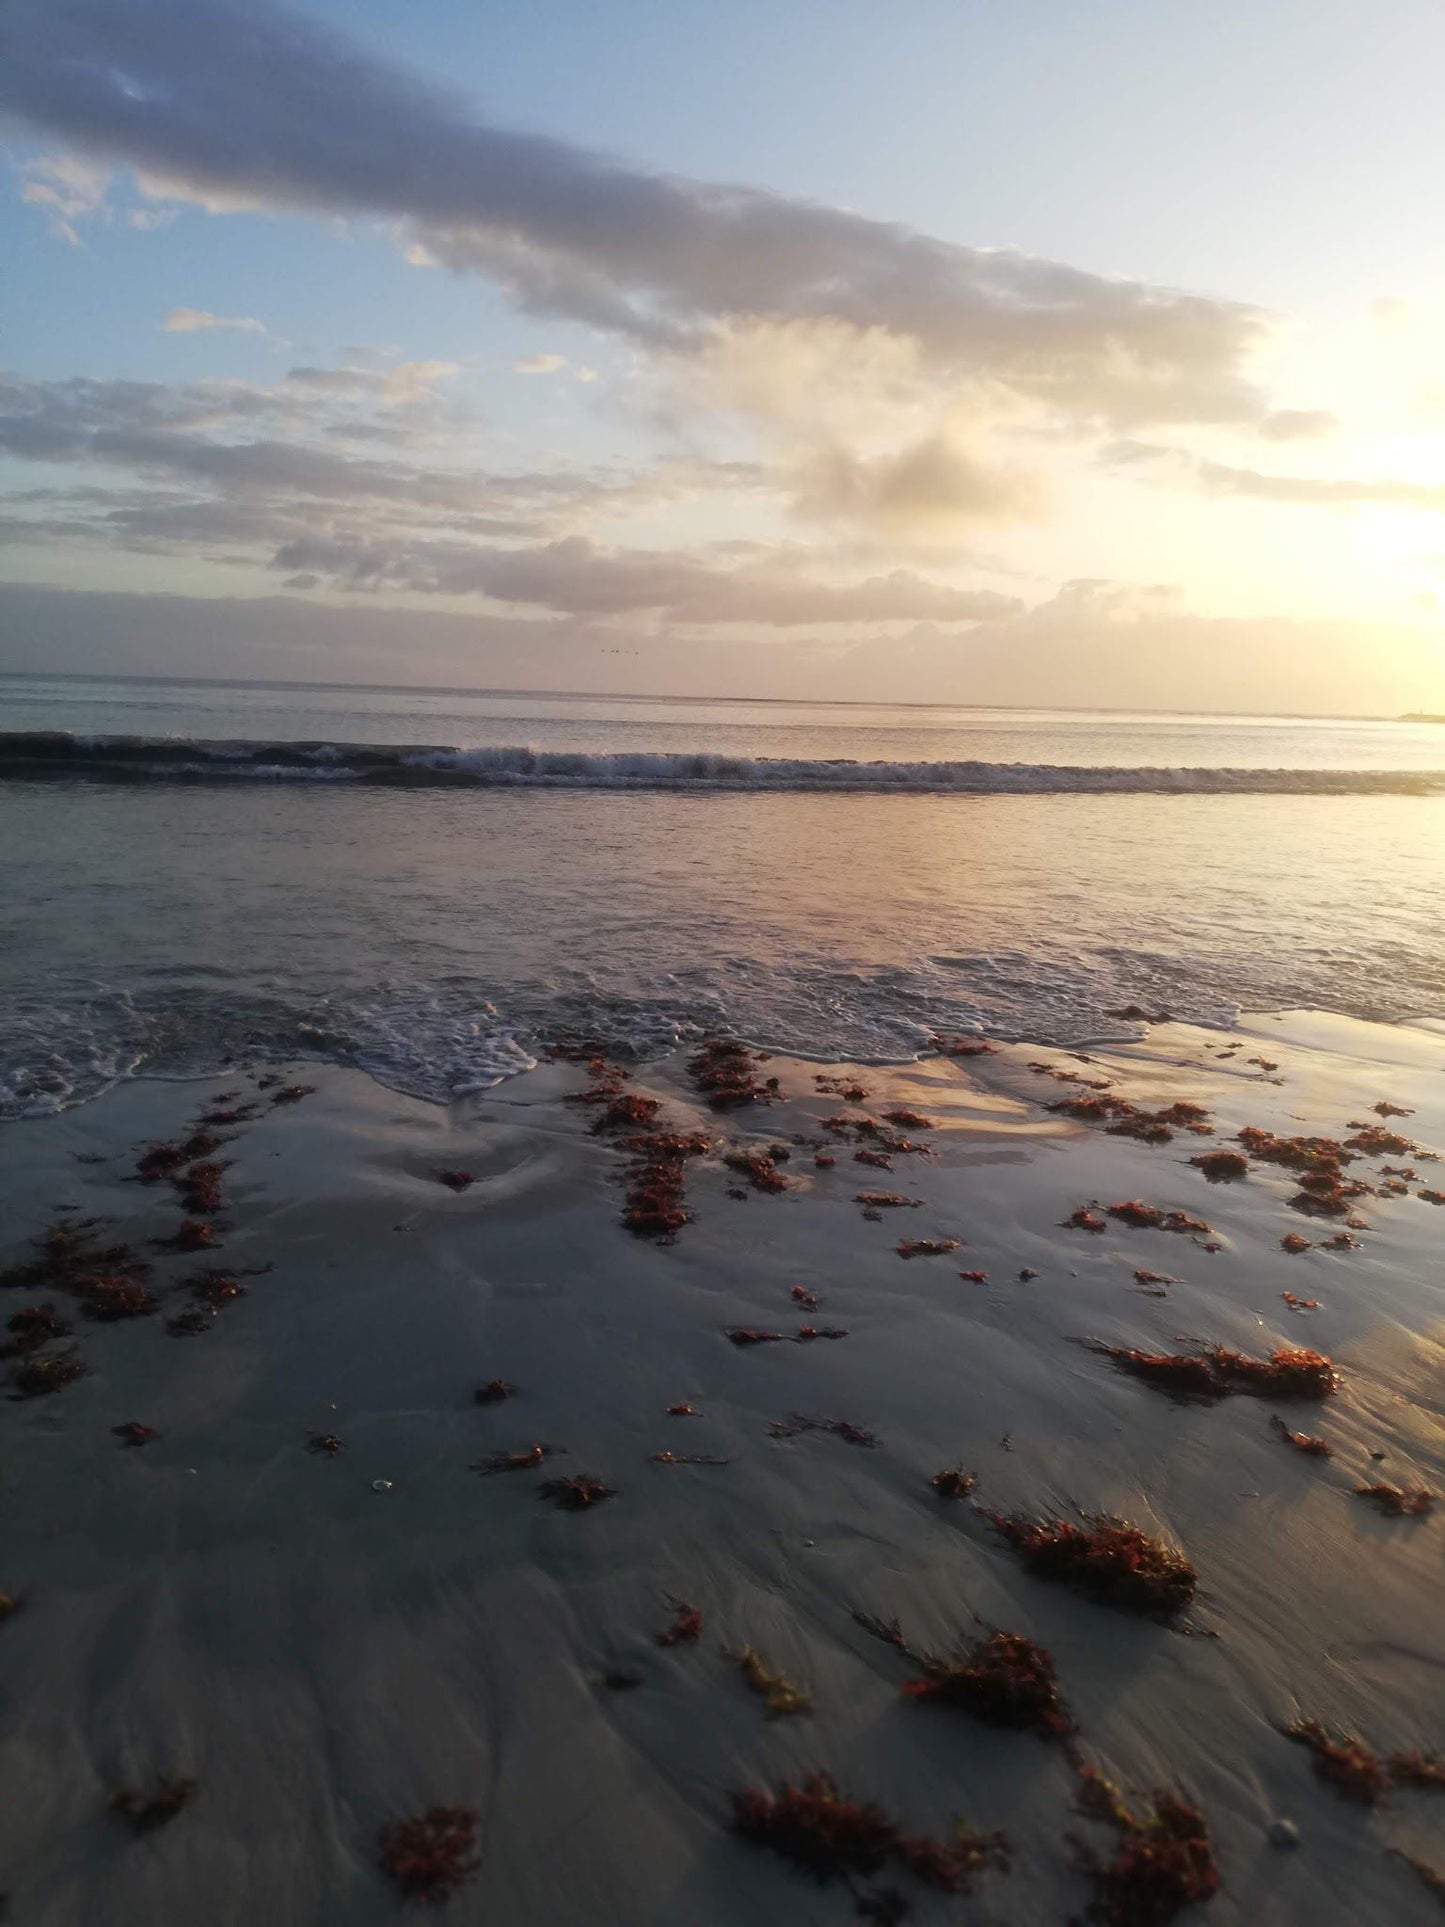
429,884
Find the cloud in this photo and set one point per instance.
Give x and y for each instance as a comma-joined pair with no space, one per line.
187,431
1332,491
237,473
413,381
1222,478
1298,424
243,474
928,490
338,380
229,104
68,188
540,364
193,321
576,577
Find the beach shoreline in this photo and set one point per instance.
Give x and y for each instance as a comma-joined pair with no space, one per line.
323,1657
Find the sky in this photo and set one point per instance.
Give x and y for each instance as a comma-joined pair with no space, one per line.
1057,353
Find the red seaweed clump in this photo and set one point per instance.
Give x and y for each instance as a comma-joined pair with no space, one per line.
1156,1127
1374,1141
1418,1770
455,1180
429,1857
216,1288
953,1482
231,1114
881,1144
1221,1166
494,1392
577,1494
847,1088
1358,1774
963,1047
841,1428
1006,1680
107,1296
33,1326
814,1827
1320,1155
1329,1194
758,1167
293,1093
627,1111
910,1120
133,1433
194,1235
722,1070
1107,1560
685,1628
656,1196
1149,1217
926,1247
831,1838
1163,1861
885,1201
1290,1371
607,1079
1121,1118
1395,1504
1347,1765
45,1372
1178,1373
324,1445
1084,1219
143,1812
1305,1442
200,1187
160,1161
71,1256
745,1335
1293,1243
525,1461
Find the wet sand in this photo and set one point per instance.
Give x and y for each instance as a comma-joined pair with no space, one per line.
323,1657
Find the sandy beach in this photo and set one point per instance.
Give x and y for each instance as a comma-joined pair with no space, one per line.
329,1641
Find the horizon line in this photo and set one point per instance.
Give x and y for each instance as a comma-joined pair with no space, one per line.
781,702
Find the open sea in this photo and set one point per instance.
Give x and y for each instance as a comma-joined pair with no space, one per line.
428,884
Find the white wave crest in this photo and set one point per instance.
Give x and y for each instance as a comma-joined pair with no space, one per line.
137,758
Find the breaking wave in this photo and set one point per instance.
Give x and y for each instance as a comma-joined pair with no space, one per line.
58,753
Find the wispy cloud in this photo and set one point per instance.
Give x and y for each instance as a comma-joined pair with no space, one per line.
1319,491
194,321
69,189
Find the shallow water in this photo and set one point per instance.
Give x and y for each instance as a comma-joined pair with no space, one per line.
434,936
